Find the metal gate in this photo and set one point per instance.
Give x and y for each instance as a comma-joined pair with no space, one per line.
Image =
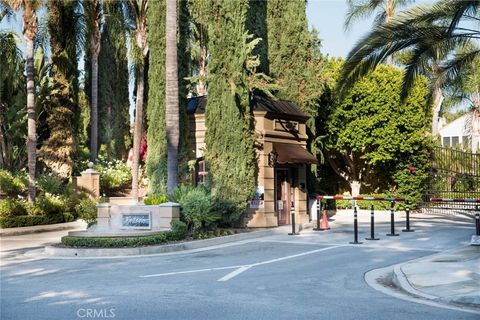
455,174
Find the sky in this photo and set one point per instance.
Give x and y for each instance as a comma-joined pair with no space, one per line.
328,16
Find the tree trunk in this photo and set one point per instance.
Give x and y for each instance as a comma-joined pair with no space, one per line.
32,129
171,97
355,187
437,106
137,133
95,43
3,145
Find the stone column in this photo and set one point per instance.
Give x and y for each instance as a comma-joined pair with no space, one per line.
89,181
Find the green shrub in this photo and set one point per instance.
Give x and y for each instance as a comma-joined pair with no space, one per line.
11,208
68,217
51,184
196,209
13,184
27,221
52,204
86,209
34,209
180,193
155,199
119,242
228,211
178,231
211,234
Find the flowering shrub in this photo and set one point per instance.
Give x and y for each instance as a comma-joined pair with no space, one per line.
114,175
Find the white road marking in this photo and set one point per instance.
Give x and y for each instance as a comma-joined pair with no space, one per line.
234,273
240,268
188,271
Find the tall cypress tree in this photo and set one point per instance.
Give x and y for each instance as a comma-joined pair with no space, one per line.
113,103
58,149
295,62
229,137
289,49
156,133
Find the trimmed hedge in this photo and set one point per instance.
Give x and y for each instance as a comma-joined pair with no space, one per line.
119,242
28,221
178,232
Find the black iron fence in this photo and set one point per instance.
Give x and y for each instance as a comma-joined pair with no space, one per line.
455,174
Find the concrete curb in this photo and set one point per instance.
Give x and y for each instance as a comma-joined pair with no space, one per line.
149,250
371,278
43,228
400,279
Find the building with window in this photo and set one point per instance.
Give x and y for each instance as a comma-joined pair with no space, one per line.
281,165
461,134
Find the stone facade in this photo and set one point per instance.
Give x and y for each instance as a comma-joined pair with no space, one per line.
271,128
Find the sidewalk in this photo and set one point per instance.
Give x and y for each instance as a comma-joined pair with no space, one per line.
451,276
75,225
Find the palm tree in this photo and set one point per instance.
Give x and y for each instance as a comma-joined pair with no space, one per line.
431,34
361,9
93,18
171,97
29,22
137,10
11,81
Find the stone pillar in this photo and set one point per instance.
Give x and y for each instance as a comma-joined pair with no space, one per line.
89,181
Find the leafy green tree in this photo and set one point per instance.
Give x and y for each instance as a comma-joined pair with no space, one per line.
229,138
372,136
427,32
58,149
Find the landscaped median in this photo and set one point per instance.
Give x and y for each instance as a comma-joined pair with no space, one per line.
144,245
178,233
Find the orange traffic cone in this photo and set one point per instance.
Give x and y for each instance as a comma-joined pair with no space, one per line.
324,225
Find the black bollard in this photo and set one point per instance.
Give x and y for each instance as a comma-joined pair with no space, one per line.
372,227
355,227
293,233
477,224
392,220
319,209
407,221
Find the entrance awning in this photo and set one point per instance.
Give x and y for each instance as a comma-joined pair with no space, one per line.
293,154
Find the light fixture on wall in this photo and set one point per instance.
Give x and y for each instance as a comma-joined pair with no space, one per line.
272,158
